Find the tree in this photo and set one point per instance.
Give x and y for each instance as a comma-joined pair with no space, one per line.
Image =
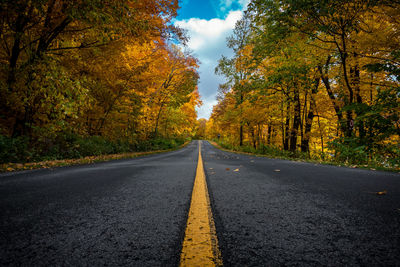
37,32
97,70
231,68
318,70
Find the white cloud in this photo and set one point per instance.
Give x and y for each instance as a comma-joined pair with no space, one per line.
208,42
205,110
202,31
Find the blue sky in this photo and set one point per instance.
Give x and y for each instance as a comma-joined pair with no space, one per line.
209,23
206,9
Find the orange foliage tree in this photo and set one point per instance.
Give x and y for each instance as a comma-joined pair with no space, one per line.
95,68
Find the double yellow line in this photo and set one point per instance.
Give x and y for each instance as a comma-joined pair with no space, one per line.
200,245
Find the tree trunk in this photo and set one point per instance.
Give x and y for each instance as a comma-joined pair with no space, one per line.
241,121
286,131
157,120
269,134
296,121
20,25
253,137
349,114
332,97
241,135
305,142
355,81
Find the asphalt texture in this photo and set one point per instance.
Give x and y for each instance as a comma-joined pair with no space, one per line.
272,212
267,212
118,213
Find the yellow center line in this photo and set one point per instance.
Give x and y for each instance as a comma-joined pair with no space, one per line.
200,246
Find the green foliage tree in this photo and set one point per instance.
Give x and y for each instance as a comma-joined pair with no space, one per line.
319,70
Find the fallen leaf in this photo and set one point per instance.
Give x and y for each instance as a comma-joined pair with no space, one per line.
210,168
236,170
276,170
227,169
381,193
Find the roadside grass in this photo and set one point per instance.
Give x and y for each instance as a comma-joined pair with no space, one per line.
271,152
10,167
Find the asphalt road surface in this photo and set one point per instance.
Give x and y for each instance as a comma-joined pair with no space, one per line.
267,212
275,212
118,213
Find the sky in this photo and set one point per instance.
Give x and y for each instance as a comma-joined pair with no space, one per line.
209,23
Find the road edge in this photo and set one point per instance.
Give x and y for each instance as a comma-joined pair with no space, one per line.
14,167
328,163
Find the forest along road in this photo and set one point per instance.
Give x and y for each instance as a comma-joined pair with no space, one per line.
267,212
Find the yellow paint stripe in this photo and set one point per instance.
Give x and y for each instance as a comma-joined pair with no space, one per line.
200,246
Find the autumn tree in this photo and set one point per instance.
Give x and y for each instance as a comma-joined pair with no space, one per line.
112,70
320,71
233,70
36,34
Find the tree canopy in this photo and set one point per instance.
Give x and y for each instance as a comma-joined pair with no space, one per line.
319,77
114,69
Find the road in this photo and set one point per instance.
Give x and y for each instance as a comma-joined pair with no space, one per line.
267,212
303,214
118,213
